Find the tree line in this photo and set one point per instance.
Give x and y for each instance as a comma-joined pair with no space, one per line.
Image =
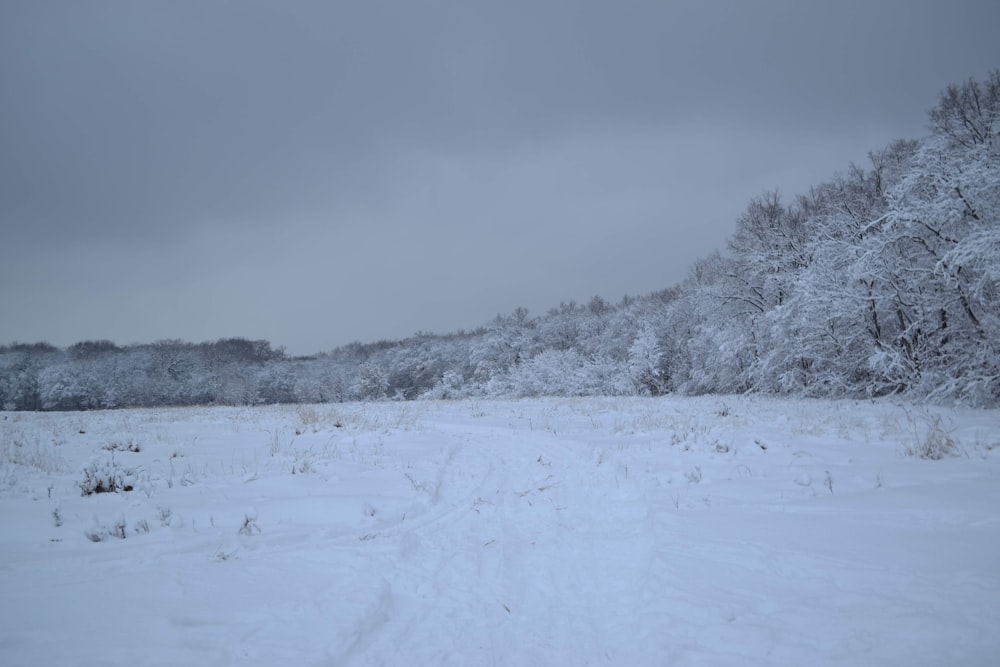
883,280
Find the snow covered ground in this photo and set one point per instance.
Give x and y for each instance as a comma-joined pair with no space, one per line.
696,531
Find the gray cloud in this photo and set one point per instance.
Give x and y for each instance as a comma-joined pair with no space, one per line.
317,172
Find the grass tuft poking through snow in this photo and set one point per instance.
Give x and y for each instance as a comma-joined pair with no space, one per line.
931,442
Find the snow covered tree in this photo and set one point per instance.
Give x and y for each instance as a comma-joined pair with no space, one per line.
644,363
944,230
372,385
508,341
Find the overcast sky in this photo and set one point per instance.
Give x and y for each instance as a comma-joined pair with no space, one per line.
316,173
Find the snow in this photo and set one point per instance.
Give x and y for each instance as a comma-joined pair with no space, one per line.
598,531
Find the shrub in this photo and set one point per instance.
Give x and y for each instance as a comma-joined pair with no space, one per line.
127,446
106,476
99,532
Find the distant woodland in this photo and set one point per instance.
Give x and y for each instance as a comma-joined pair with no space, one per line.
883,280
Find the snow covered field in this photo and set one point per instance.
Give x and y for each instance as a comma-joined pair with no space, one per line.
695,531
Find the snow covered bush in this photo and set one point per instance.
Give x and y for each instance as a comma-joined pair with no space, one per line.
99,532
123,446
106,476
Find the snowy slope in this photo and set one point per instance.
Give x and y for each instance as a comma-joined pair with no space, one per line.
696,531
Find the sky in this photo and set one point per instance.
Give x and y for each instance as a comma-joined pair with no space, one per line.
317,173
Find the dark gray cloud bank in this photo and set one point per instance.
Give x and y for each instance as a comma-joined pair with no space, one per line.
320,172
